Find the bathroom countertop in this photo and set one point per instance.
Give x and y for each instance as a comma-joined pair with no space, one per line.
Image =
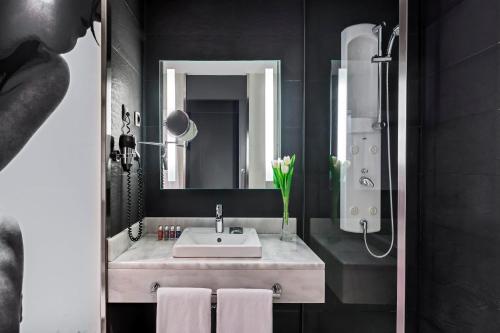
134,268
149,253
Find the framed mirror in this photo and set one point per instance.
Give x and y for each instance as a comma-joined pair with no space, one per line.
220,123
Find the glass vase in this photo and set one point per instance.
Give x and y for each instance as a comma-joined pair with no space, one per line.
286,233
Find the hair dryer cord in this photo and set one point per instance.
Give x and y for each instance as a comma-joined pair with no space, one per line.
140,203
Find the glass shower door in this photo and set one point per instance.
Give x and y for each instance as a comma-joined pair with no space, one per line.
357,239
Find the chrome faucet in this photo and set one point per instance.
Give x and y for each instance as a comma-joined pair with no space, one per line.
219,219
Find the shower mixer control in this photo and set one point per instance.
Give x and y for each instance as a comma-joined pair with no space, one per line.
367,182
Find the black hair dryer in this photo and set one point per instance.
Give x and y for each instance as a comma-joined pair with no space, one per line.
127,151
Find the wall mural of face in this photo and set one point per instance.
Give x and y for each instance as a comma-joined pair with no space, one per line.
33,76
57,24
33,80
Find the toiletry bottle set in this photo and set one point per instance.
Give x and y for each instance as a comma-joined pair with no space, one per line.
169,232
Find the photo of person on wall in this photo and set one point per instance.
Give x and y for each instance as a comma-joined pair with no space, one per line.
34,79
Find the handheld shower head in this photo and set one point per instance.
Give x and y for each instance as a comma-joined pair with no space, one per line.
396,30
378,27
395,33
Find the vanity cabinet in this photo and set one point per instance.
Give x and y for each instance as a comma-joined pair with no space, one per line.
134,273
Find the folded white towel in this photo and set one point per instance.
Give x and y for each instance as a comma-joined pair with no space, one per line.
183,310
244,311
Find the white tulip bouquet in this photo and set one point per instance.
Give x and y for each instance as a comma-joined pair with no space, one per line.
283,175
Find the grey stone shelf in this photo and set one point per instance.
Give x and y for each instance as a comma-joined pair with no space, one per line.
351,273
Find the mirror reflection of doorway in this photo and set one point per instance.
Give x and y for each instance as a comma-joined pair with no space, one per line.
218,105
212,159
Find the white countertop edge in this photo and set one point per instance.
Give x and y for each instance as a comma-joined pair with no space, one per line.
216,266
153,254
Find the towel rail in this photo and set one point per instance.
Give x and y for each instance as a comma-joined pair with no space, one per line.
276,288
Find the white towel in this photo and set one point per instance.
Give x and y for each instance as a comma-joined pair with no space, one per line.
244,311
183,310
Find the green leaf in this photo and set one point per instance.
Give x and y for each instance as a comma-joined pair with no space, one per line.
287,185
275,178
278,178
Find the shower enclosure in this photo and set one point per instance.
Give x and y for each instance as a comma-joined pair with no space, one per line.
356,222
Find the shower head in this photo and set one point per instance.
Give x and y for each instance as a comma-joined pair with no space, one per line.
395,33
377,28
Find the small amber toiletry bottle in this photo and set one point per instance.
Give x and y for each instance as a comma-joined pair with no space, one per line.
160,232
172,232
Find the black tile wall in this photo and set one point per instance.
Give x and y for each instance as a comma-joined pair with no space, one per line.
133,318
414,167
341,318
225,30
459,289
137,9
126,88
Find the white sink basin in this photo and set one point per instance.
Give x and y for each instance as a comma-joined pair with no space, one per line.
206,243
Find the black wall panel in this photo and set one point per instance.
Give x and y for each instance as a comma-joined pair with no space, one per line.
459,285
225,30
126,88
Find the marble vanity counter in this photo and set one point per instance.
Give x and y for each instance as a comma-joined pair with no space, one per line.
133,268
149,253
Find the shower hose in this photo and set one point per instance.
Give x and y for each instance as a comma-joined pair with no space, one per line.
364,223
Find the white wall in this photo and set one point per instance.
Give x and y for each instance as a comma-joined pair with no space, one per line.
52,189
